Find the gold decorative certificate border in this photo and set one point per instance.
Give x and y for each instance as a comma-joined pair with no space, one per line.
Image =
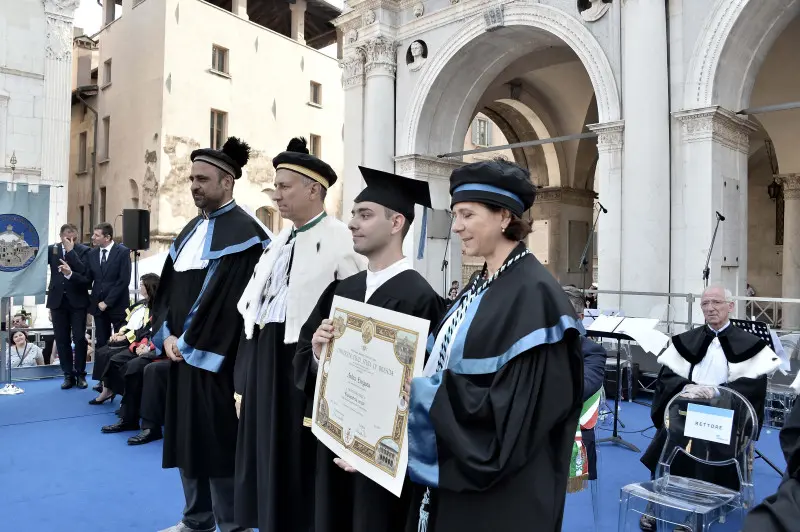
381,454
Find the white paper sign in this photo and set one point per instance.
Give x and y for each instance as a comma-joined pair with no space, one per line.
708,423
360,403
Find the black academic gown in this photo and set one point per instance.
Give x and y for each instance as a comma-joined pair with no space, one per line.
687,351
199,307
351,502
492,434
780,512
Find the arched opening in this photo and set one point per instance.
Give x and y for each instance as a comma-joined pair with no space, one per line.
542,75
134,193
773,240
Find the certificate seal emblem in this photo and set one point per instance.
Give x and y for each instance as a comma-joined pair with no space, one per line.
19,243
339,325
367,331
348,437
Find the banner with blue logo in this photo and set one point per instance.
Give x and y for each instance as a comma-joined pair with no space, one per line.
24,217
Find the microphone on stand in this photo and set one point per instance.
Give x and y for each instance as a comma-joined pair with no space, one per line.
605,211
720,217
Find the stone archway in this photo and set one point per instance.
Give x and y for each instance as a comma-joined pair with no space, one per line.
448,93
735,42
726,60
429,120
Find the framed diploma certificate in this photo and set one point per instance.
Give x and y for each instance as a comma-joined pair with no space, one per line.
360,404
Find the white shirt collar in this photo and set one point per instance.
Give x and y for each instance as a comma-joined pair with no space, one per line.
108,247
722,329
376,279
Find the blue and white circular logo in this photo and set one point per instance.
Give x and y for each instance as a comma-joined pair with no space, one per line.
19,243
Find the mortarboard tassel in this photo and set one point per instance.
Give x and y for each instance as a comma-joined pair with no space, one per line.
423,234
423,511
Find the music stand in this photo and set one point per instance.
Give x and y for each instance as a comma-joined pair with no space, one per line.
760,329
615,437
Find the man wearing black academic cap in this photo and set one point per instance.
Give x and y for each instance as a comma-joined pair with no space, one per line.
346,501
276,451
198,328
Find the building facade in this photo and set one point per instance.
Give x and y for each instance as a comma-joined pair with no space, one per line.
167,77
672,91
35,63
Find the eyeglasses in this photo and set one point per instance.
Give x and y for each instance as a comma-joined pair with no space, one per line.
712,303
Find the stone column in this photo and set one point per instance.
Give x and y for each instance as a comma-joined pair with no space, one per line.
299,20
646,170
714,149
57,107
379,103
437,173
791,249
239,8
609,227
353,84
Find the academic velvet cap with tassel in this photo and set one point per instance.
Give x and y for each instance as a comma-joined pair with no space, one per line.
297,159
230,159
399,194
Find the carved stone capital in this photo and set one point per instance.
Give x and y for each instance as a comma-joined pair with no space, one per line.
716,124
62,8
790,184
565,195
609,135
353,69
59,38
381,57
420,166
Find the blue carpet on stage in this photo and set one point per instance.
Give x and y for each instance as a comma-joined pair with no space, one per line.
58,473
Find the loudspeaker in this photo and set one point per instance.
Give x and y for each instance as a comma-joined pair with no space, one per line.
136,229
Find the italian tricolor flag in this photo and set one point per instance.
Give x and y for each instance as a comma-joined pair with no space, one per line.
579,462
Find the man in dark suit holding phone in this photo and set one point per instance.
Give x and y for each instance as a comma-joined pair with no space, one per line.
108,268
68,302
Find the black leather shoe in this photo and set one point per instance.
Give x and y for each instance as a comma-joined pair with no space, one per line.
145,436
120,426
69,382
82,382
98,387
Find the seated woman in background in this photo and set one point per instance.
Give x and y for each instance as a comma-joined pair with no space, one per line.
24,354
128,338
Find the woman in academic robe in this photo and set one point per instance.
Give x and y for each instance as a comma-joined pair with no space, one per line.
492,421
136,328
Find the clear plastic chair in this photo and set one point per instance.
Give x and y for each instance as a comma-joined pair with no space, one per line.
675,498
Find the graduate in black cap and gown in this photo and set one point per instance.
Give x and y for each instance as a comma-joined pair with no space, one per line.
275,455
347,501
198,328
492,422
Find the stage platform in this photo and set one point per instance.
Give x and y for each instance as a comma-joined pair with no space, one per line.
59,473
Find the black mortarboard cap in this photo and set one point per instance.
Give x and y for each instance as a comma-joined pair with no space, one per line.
298,159
394,191
499,183
230,159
